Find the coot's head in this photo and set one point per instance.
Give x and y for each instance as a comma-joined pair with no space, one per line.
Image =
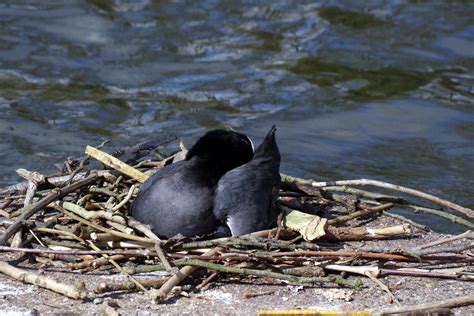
224,149
268,148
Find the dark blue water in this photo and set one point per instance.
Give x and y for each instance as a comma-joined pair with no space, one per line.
374,89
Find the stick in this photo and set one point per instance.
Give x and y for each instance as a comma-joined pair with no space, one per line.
126,199
466,234
116,164
57,181
268,273
96,263
150,234
34,180
369,211
453,218
385,185
263,243
454,302
119,268
365,233
77,292
33,208
178,277
406,220
103,229
425,274
128,286
308,253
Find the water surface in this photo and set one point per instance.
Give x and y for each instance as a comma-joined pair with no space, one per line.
380,90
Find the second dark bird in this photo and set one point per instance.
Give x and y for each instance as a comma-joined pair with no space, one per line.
245,197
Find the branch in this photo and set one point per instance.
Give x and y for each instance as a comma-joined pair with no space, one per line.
177,278
385,185
115,163
268,273
78,292
33,208
454,302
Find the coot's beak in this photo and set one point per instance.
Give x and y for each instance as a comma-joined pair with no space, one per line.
229,128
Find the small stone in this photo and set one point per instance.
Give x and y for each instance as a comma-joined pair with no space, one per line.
284,298
97,301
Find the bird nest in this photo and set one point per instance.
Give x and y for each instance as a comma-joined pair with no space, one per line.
79,220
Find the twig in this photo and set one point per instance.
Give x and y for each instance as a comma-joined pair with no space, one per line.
361,213
453,218
119,268
115,163
126,199
96,263
144,229
268,273
407,220
57,181
454,302
128,286
384,288
425,274
385,185
120,227
162,257
77,292
399,201
366,233
178,277
449,249
205,283
103,229
32,209
263,243
150,234
91,214
269,256
369,255
466,234
34,180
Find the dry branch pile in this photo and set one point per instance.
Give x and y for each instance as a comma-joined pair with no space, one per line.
78,220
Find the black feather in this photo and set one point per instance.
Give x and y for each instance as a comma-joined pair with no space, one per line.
245,196
178,198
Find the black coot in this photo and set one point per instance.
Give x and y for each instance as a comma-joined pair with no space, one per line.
178,198
245,196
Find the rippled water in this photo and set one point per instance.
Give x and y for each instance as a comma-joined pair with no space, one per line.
377,89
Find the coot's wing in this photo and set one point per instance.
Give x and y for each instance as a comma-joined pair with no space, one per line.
243,197
142,205
176,201
161,173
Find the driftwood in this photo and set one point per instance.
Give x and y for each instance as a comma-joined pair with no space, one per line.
77,292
